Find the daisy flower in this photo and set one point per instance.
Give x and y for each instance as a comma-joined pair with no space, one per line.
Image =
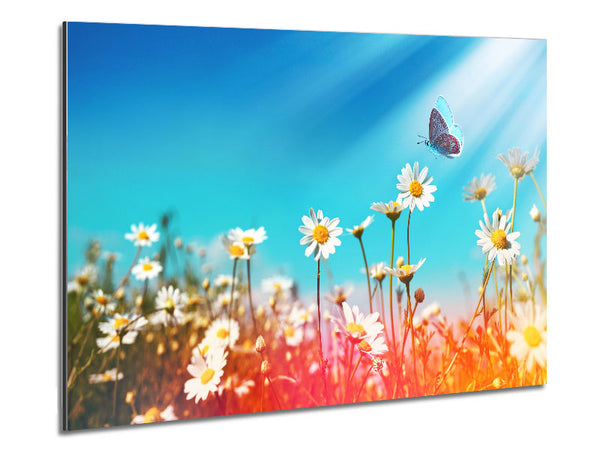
115,327
535,214
293,334
496,240
299,315
358,327
206,374
517,163
223,280
320,234
235,249
391,209
277,286
249,237
377,271
404,272
480,188
109,375
142,235
155,415
170,302
339,295
146,269
373,346
238,389
224,298
528,338
102,303
358,230
415,187
85,277
223,332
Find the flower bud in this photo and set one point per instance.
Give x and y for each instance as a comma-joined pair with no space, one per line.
524,260
119,293
535,214
525,277
400,262
260,344
265,368
419,295
205,284
178,242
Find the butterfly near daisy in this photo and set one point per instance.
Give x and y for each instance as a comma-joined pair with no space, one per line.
445,137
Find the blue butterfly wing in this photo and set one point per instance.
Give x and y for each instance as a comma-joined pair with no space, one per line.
437,125
456,131
446,145
442,106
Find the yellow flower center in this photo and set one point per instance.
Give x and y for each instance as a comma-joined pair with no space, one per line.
115,338
152,415
365,346
415,188
276,287
236,250
204,350
532,336
120,322
392,214
102,300
222,333
517,171
407,275
247,240
82,280
499,239
207,375
480,193
143,236
147,267
290,332
355,328
170,306
321,234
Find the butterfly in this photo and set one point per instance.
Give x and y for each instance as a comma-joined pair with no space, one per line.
445,137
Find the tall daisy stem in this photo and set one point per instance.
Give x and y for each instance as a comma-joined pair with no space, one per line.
391,288
321,360
231,300
362,247
539,190
115,414
250,299
126,277
512,227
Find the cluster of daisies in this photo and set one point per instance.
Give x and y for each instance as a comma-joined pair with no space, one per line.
320,235
498,241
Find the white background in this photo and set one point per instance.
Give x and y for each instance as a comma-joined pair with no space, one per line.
565,412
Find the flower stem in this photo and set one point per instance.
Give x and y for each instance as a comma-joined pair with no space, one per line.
362,247
115,415
539,190
231,300
250,299
124,280
322,362
391,287
408,239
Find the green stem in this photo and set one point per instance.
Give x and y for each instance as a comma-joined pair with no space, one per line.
322,362
250,299
362,247
539,190
231,300
391,287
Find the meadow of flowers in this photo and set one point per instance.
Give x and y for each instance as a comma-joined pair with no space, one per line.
201,344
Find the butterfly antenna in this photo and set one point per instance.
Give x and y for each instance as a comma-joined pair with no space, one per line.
422,137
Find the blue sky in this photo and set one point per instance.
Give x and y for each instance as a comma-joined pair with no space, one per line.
241,127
